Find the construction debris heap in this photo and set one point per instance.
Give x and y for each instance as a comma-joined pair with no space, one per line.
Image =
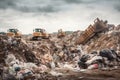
98,47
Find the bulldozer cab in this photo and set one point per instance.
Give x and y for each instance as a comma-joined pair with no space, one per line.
39,34
13,31
61,33
39,30
60,30
97,27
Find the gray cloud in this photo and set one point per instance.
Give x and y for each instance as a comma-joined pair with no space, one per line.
4,4
82,1
46,9
49,6
46,6
28,6
74,1
118,8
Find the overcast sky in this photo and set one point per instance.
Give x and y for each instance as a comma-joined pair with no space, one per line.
70,15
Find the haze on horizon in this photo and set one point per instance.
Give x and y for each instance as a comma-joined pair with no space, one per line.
69,15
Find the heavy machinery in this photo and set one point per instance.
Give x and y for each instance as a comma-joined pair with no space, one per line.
39,33
98,26
2,33
14,33
61,33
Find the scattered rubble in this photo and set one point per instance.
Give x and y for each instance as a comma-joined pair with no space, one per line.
60,58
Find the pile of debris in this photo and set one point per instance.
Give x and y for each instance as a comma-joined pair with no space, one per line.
17,47
21,59
18,61
109,39
24,59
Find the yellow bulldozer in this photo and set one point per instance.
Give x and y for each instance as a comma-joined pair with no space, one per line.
97,27
61,33
14,33
39,34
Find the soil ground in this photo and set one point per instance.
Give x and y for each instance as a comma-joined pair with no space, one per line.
91,75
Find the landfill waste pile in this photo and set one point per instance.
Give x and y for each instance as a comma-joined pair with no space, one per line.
109,39
60,58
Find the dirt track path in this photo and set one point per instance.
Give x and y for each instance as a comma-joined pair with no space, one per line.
91,75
